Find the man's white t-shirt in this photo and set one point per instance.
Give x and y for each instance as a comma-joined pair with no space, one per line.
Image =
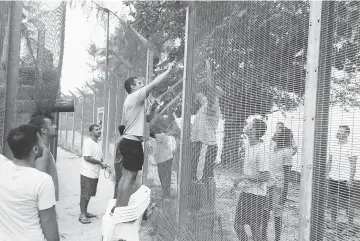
256,160
164,147
92,149
134,113
340,164
206,123
23,192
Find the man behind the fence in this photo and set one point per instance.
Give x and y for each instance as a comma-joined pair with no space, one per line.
131,144
341,172
27,196
89,172
252,208
46,163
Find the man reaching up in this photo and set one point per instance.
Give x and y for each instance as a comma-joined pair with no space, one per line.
130,145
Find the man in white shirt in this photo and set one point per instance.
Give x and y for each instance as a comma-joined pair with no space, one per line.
163,149
341,171
46,163
252,208
131,143
90,170
203,131
27,199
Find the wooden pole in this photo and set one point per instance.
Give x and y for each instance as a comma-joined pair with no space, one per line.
185,153
12,82
310,118
149,77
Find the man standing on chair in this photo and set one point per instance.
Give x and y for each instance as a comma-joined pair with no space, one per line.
131,144
89,172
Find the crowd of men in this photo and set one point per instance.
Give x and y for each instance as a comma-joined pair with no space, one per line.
29,182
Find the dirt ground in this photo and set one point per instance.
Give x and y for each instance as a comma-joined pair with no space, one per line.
71,229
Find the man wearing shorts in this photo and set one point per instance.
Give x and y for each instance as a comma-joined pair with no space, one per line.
89,172
341,172
46,163
131,144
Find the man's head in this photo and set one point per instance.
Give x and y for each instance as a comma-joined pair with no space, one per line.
133,84
343,132
45,124
255,129
283,138
95,131
25,142
279,126
121,129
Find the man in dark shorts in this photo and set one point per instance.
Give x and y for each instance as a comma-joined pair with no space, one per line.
90,171
131,144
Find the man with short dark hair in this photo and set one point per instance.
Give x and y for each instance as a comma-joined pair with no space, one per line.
252,208
27,199
90,171
341,170
46,163
131,144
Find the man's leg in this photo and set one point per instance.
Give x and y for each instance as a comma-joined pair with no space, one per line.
260,218
161,172
195,148
84,199
118,174
354,200
210,159
168,172
125,187
240,217
333,199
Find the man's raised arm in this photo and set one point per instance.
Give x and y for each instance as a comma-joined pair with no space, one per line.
158,80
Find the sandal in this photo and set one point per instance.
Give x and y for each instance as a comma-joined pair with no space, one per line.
84,220
89,215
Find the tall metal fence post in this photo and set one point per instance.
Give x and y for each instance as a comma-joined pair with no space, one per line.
94,104
149,77
66,129
12,82
316,117
82,120
105,140
74,122
184,167
59,128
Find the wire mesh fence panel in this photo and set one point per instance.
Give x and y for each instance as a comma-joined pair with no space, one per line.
342,200
248,83
41,53
4,42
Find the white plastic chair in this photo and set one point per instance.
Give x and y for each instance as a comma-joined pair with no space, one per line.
124,223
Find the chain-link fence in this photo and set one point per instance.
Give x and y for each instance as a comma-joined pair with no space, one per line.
257,138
